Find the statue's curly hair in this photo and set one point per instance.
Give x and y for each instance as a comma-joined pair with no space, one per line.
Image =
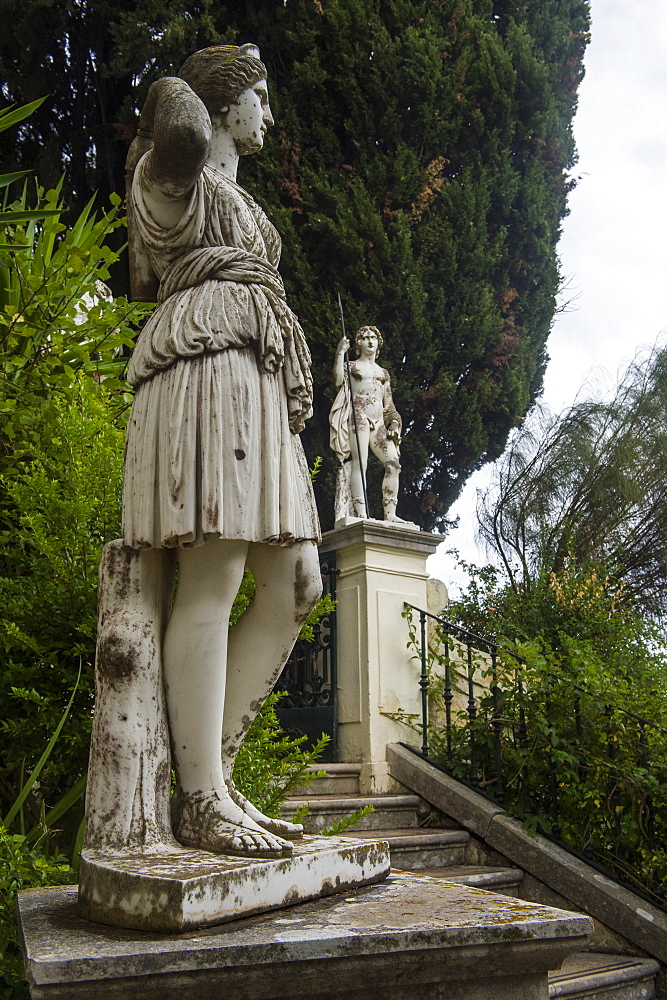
220,73
365,329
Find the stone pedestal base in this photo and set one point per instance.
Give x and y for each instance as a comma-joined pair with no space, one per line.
380,566
408,938
182,889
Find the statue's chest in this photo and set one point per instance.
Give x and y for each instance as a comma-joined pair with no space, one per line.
233,221
368,383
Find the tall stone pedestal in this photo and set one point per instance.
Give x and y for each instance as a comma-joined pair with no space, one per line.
408,938
380,567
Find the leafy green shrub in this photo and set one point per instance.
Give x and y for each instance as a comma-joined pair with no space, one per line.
62,400
564,711
271,764
22,867
57,319
65,506
578,621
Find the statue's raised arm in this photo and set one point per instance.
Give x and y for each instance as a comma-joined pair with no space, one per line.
180,126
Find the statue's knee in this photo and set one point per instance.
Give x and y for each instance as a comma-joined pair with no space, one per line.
393,465
313,592
307,585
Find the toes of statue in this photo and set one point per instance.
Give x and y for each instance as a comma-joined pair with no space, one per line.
204,820
277,827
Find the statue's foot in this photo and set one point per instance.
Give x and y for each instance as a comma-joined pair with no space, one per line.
394,518
211,821
278,827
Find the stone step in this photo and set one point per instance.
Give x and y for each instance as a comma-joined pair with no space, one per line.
341,779
506,881
595,976
389,811
422,848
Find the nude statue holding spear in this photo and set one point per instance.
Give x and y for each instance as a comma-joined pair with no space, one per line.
364,417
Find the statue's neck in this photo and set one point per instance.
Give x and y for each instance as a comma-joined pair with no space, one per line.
222,154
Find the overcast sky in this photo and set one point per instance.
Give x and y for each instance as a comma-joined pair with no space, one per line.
613,247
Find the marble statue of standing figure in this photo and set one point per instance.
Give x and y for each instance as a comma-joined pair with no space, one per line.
214,466
378,426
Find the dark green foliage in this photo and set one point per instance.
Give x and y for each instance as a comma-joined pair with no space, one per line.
567,712
271,764
61,448
577,621
61,452
65,506
21,867
607,773
419,165
593,666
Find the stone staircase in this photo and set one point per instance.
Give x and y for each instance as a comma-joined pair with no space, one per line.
444,852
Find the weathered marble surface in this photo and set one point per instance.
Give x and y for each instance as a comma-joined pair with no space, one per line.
215,483
379,567
127,797
363,418
410,937
185,888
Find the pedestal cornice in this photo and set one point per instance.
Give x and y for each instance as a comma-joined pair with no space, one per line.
379,533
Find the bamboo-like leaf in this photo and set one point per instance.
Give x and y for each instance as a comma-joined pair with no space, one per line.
7,179
37,770
34,213
47,237
11,116
60,808
81,224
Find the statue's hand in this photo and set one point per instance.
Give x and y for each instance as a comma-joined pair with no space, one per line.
343,346
393,432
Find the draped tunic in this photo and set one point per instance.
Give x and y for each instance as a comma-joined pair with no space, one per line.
223,383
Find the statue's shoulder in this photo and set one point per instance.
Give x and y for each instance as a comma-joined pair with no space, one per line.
237,204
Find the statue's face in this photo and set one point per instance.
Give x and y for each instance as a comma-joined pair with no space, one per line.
249,117
367,343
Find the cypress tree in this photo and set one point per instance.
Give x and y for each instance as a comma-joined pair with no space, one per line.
420,166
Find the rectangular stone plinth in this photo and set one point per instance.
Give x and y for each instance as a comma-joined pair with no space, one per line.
181,889
380,566
410,937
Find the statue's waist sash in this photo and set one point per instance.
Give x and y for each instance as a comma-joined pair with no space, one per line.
220,264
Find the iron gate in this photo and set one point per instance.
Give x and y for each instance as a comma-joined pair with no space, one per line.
308,707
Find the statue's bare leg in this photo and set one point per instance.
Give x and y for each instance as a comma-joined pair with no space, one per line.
289,583
359,463
194,663
387,452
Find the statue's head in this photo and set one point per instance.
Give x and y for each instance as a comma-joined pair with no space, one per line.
221,73
363,331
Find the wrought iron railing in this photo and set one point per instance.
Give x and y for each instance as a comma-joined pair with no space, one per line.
308,680
589,774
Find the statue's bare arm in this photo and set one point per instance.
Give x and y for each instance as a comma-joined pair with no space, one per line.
339,362
392,419
181,132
